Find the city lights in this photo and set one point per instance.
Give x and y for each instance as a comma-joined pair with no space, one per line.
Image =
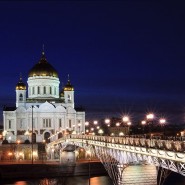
143,122
107,121
125,119
150,116
162,121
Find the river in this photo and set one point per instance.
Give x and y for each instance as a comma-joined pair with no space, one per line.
139,174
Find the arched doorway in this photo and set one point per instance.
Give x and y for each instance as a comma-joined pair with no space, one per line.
46,137
34,137
60,135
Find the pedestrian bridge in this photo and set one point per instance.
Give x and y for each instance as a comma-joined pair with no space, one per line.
116,153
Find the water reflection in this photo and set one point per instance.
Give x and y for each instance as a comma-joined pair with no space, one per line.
140,175
48,182
21,183
102,180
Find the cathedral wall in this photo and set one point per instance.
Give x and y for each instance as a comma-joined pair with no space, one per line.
40,87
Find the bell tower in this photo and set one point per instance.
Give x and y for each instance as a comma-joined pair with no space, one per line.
69,93
20,93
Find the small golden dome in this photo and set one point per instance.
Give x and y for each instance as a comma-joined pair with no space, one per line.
43,68
20,85
68,86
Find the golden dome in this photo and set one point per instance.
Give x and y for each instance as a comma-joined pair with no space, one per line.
43,68
68,86
20,85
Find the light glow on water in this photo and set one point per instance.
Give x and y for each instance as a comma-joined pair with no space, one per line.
140,175
20,183
134,174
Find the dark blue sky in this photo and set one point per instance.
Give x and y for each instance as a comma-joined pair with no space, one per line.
122,56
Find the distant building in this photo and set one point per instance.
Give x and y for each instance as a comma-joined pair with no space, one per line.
46,110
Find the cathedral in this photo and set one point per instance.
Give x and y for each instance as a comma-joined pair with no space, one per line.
42,111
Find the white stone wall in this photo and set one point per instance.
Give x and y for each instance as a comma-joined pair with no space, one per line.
69,98
21,119
20,101
43,82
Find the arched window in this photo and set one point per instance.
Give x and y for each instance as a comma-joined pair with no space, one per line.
21,97
33,90
46,137
38,90
50,90
44,90
69,98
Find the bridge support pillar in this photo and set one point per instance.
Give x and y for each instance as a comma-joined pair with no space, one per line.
162,174
113,166
120,173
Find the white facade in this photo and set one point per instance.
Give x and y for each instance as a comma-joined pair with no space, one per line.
46,111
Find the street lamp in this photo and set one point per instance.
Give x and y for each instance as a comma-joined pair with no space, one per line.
129,123
118,124
150,117
125,119
87,131
107,121
32,135
89,158
143,123
162,122
95,122
121,134
92,129
18,142
100,132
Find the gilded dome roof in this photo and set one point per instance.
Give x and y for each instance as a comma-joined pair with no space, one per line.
68,86
43,68
20,85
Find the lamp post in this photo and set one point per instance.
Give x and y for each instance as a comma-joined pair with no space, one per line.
86,127
117,130
18,142
92,129
32,135
86,123
162,122
100,131
107,122
95,122
143,123
121,134
89,158
129,123
150,117
125,119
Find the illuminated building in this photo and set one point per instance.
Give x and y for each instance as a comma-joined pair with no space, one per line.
46,110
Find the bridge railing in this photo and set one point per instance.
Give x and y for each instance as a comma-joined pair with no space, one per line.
171,145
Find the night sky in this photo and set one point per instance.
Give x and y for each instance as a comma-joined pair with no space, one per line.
122,56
